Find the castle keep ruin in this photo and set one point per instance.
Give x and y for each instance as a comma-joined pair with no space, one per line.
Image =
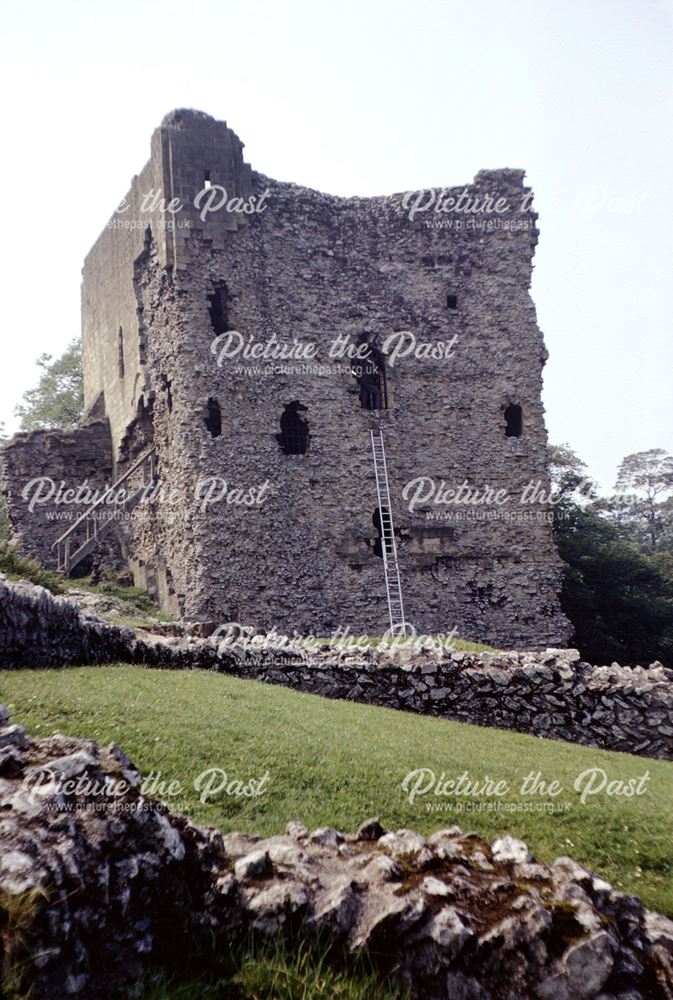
176,282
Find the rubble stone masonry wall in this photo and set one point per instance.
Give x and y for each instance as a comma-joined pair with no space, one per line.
40,470
289,540
312,269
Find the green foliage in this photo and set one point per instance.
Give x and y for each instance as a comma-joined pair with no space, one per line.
18,915
131,606
648,472
618,596
570,481
268,969
337,763
18,567
57,400
644,480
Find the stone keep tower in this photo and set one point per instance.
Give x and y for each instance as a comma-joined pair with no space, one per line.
281,264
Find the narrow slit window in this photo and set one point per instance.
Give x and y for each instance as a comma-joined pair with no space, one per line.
166,385
513,420
381,514
451,301
382,522
369,369
218,304
294,429
214,419
120,352
206,180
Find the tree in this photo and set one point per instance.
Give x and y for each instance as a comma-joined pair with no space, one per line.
57,400
618,598
665,539
568,474
644,479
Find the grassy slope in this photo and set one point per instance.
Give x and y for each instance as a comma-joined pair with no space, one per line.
338,763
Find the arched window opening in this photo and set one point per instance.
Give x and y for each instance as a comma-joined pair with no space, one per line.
120,353
214,419
369,369
513,420
294,429
218,304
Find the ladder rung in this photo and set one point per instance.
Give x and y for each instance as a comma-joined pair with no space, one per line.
388,548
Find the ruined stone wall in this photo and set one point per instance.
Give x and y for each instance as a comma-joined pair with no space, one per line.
113,351
112,310
310,268
551,694
42,472
40,629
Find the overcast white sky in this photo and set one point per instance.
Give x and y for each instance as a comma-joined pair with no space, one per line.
366,97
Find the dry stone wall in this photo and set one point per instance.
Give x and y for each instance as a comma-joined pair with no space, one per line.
38,629
113,889
552,694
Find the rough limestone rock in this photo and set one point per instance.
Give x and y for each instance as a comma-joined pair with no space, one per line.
120,887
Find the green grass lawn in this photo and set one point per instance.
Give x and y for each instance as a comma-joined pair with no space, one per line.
337,763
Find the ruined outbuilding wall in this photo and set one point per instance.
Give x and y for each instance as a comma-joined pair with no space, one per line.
42,474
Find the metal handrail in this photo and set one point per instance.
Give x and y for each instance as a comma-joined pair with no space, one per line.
83,517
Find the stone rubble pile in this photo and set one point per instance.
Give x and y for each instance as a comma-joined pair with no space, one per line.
113,887
551,693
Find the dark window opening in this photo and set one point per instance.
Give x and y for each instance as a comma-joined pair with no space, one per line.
370,372
214,419
381,522
451,301
294,429
206,180
513,420
120,352
218,303
166,385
